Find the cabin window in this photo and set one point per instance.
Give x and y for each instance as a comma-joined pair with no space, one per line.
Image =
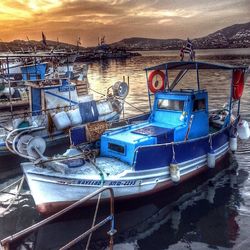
117,148
175,105
199,105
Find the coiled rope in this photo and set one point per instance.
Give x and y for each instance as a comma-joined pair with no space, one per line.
20,181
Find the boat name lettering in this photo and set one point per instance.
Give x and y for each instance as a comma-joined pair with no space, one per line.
99,182
88,182
125,183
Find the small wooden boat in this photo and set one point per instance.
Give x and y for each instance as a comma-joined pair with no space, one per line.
54,107
179,140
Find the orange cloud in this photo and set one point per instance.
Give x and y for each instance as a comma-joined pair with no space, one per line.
117,19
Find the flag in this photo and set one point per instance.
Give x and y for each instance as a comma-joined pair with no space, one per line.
79,41
44,39
187,49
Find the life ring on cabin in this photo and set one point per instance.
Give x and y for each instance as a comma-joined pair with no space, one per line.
156,81
238,84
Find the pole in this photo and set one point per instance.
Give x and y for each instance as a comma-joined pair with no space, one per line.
149,95
9,85
197,76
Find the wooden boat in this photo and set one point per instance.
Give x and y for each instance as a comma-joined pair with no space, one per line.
180,140
55,107
14,93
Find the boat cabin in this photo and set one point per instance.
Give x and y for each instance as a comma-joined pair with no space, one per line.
176,116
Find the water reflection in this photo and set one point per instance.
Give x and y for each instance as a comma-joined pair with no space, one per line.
200,212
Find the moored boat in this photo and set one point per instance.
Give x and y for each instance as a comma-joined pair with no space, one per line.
54,107
180,139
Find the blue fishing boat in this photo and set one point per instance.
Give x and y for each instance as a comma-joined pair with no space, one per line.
180,139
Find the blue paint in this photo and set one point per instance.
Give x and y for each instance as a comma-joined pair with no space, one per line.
36,104
77,135
61,97
88,111
34,71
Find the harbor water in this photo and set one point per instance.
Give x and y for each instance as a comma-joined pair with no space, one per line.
211,211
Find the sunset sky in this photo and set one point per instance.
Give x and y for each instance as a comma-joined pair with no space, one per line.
117,19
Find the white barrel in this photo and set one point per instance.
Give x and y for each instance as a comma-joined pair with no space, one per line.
243,130
233,143
104,108
86,98
7,91
75,117
211,159
174,172
61,120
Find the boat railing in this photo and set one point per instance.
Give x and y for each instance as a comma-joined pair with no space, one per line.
27,113
6,243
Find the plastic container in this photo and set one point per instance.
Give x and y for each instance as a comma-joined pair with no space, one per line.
61,120
75,117
7,91
86,98
104,108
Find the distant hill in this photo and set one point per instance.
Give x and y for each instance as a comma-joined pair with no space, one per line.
19,45
235,36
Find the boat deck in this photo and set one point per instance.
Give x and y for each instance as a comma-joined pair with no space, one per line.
109,167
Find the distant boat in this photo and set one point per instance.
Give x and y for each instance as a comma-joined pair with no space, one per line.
180,139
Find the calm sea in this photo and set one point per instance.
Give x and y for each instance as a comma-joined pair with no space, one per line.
209,212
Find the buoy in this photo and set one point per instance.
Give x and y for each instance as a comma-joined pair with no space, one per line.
156,81
174,171
211,158
243,130
238,84
233,144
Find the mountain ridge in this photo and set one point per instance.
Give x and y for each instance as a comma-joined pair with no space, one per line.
234,36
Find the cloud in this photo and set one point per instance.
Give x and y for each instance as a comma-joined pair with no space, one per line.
117,19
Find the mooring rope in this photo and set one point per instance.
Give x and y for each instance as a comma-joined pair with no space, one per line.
144,112
21,180
12,184
97,92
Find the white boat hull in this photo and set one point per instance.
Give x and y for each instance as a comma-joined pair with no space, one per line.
53,192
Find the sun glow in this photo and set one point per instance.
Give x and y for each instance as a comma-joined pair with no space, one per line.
22,9
43,5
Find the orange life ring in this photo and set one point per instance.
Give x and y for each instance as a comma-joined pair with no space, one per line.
238,84
156,81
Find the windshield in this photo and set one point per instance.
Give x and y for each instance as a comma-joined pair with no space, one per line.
175,105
